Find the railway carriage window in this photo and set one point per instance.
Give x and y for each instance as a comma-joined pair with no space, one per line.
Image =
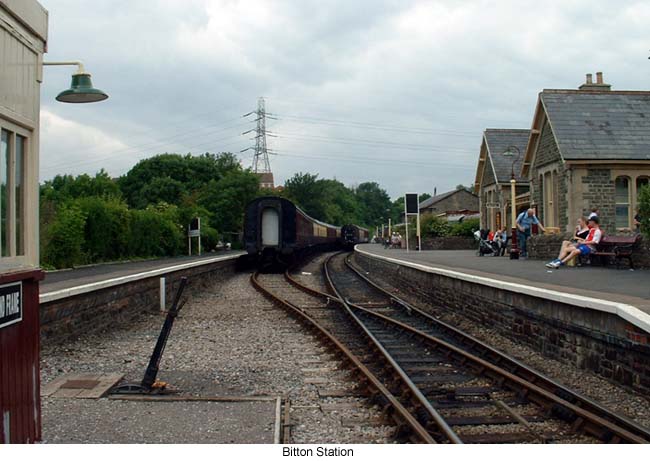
270,227
622,196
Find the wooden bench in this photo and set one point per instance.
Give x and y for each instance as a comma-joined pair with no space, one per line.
618,247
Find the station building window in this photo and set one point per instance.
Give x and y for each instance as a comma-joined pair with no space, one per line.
622,199
14,144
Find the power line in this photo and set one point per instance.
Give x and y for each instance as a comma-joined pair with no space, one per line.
373,126
372,143
190,118
359,108
344,158
136,149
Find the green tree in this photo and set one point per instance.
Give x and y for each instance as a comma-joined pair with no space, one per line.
373,201
183,175
341,206
305,191
226,199
106,229
644,210
66,187
64,238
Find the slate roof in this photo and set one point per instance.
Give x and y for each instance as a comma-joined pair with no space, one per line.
498,141
436,198
608,125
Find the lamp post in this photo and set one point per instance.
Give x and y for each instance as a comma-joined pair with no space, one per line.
81,89
514,248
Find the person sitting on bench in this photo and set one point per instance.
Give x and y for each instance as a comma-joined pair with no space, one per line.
581,232
583,246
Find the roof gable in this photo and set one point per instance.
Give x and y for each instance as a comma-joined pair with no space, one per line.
608,125
437,198
498,141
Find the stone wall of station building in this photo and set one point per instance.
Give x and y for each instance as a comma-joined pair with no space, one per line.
548,159
598,190
584,338
100,310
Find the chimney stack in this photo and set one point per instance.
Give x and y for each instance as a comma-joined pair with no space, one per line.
589,84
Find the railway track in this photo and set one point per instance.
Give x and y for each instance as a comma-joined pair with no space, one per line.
439,384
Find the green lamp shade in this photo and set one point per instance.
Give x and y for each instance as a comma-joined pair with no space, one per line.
81,91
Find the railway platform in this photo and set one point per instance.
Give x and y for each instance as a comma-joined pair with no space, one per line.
598,283
590,317
96,297
98,273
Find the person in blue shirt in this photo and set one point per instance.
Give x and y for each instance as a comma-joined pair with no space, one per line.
525,222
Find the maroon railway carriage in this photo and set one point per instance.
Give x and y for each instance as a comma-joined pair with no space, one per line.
276,230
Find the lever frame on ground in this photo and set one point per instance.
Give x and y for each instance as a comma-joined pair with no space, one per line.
149,385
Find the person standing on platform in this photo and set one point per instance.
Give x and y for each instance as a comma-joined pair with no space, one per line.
525,223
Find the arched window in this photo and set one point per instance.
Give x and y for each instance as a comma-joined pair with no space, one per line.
622,197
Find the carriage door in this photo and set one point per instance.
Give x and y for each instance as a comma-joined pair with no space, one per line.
270,227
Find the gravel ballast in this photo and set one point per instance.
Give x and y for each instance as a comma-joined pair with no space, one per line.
228,341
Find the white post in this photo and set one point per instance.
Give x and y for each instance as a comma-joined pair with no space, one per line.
162,294
199,219
418,229
189,245
406,223
389,226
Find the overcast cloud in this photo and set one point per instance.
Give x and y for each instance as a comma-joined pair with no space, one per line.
396,92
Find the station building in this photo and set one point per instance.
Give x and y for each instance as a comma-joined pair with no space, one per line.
452,202
23,41
497,161
589,147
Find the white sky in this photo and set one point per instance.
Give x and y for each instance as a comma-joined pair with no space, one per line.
396,92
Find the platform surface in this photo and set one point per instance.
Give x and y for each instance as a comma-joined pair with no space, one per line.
114,421
59,280
606,283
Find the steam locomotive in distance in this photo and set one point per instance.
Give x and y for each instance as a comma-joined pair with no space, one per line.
352,234
277,232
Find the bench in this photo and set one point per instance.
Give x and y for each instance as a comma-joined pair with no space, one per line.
618,247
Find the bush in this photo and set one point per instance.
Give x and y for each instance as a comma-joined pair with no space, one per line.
644,210
209,238
107,231
65,238
154,234
465,228
432,226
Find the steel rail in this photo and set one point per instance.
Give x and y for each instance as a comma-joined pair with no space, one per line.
437,418
519,368
547,396
402,414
